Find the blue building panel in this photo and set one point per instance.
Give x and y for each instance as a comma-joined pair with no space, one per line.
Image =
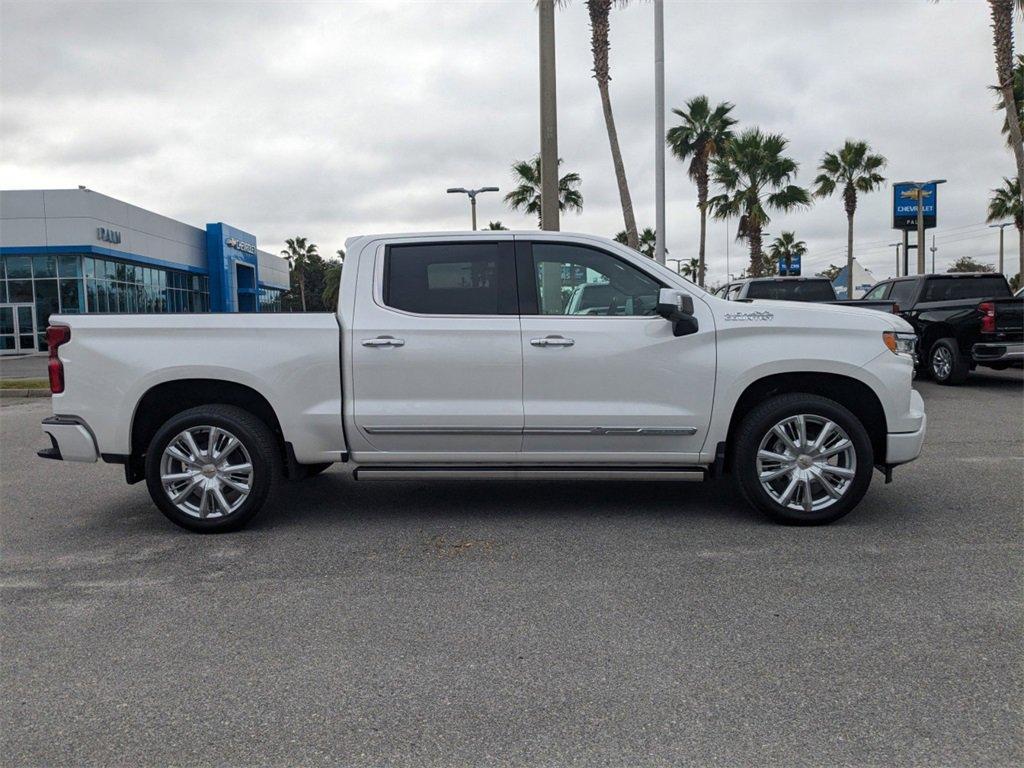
233,267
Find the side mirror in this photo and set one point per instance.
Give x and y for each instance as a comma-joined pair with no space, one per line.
677,308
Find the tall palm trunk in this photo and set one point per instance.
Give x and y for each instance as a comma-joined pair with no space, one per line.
1002,40
757,267
702,204
1020,243
302,291
599,11
632,238
850,203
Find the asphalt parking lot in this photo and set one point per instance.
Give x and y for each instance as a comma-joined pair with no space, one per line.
552,623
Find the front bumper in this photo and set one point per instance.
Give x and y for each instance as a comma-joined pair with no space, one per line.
901,447
70,439
994,352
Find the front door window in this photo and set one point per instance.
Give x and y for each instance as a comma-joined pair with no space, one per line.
17,328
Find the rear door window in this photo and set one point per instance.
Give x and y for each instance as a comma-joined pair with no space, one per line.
902,292
451,279
878,292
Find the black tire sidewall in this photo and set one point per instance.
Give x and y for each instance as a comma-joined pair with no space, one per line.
762,418
958,368
250,431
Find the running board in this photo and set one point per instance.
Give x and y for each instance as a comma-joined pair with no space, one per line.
530,473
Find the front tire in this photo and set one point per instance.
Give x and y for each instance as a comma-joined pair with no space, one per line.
946,365
803,459
209,469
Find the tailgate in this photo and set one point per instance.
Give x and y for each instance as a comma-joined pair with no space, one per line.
1010,318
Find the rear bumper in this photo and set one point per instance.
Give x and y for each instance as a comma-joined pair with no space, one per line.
70,438
998,353
901,447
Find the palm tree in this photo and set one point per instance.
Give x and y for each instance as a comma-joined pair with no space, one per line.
1018,97
526,195
1006,203
1002,43
689,269
647,238
854,168
495,225
600,21
756,178
702,135
332,281
784,247
299,253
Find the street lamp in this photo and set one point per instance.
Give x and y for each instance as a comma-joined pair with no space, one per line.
897,256
472,197
1001,227
679,263
918,193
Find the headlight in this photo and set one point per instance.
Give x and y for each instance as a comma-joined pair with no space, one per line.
900,343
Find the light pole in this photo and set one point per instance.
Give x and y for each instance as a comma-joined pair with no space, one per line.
659,131
897,256
548,118
933,249
678,262
1001,227
918,193
472,197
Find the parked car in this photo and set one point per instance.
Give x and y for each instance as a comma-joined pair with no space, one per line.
812,289
452,356
945,311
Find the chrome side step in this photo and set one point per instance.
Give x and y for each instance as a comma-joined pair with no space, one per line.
692,474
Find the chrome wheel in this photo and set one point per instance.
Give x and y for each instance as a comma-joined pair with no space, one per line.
206,472
942,362
806,462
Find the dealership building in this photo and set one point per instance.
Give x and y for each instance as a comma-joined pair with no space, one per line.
77,251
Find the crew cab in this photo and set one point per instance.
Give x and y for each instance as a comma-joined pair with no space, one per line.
949,313
790,288
467,355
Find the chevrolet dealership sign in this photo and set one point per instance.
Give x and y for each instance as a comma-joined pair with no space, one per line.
904,206
241,245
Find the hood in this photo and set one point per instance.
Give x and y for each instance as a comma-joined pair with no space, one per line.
805,313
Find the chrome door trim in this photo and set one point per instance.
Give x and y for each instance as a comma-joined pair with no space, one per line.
459,430
400,430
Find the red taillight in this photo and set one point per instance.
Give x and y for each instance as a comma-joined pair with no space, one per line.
988,316
55,336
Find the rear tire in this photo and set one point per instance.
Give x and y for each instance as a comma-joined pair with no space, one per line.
803,459
209,469
946,365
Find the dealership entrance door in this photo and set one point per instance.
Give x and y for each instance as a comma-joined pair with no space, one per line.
17,329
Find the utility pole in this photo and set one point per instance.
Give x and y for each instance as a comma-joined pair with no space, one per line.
548,118
897,256
1001,227
933,249
659,134
472,198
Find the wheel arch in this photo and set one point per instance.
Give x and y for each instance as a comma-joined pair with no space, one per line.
851,393
162,401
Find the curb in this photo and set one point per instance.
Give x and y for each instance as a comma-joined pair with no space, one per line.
12,393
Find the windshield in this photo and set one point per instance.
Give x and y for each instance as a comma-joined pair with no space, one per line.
792,290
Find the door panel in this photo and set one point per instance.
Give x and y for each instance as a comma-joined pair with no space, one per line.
617,385
430,382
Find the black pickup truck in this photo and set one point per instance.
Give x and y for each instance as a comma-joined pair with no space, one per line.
818,290
962,320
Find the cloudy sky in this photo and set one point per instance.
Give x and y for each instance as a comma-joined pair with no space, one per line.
331,119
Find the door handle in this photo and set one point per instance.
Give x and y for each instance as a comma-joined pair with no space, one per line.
553,341
384,341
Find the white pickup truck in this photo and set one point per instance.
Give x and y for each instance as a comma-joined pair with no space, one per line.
460,355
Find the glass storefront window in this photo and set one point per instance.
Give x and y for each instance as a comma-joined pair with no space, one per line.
71,297
18,267
19,290
69,266
44,266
